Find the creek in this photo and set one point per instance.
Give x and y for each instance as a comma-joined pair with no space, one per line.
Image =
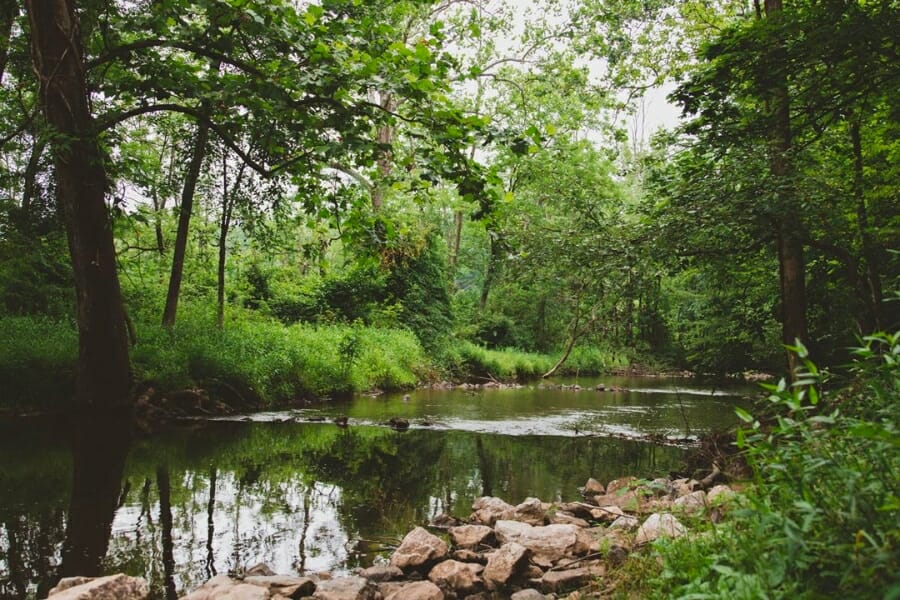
304,495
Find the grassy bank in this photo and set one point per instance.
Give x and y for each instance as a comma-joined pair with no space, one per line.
821,517
263,360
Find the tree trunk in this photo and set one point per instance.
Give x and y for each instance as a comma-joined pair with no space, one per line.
184,223
873,291
227,208
385,156
455,242
165,520
104,376
9,10
791,264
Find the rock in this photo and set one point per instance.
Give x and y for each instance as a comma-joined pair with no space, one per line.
465,555
489,509
259,569
606,539
564,518
419,549
593,487
420,590
531,511
286,586
693,503
579,509
607,514
471,536
658,525
616,556
548,543
626,522
445,521
111,587
345,588
504,564
386,588
560,581
660,486
222,587
379,573
627,500
528,594
683,487
720,494
461,577
398,423
622,483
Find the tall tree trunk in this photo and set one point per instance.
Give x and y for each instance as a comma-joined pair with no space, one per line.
165,520
385,137
211,525
227,208
184,222
9,10
455,242
104,376
873,292
791,264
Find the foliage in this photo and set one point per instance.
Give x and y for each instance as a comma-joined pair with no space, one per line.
821,519
37,362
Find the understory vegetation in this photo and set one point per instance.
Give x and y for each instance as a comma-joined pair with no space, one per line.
820,517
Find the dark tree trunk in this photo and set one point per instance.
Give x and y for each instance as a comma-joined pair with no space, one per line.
104,376
872,294
165,520
228,200
211,525
29,181
791,264
9,10
184,223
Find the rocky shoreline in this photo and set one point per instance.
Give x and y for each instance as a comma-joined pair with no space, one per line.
534,550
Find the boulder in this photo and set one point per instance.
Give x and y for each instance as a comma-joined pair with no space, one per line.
419,550
659,525
627,500
504,565
547,543
379,573
528,594
564,518
568,579
720,494
487,510
111,587
459,576
626,522
419,590
465,555
222,587
345,588
607,514
471,536
593,487
531,511
622,483
692,504
281,584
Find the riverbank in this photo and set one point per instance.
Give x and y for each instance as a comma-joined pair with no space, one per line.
533,550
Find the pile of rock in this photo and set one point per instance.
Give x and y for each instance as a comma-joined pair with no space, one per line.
526,552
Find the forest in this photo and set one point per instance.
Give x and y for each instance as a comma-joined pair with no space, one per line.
268,204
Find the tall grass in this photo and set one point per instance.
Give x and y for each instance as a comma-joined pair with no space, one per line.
37,361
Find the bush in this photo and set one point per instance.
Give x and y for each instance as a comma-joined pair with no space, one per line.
38,358
823,515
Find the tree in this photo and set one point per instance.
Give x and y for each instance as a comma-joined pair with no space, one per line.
104,375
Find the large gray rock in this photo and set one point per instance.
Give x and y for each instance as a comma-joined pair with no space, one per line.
488,509
111,587
419,550
691,504
471,536
461,577
504,565
291,587
345,588
659,525
528,594
531,511
548,543
420,590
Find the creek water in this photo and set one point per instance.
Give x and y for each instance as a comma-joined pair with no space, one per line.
303,495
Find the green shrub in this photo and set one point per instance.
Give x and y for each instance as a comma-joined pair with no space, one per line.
38,357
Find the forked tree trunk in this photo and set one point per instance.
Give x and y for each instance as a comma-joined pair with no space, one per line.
104,376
